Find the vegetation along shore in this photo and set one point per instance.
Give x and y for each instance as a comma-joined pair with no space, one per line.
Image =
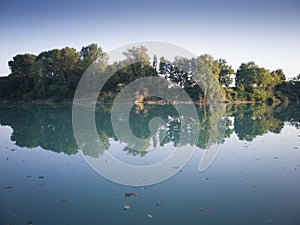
52,76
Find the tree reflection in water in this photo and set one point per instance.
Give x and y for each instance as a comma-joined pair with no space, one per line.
50,127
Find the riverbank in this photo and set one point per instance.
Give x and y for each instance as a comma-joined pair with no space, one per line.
147,102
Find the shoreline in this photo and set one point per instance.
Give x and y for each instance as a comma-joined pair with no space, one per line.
149,102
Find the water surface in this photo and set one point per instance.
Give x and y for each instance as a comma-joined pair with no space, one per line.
254,179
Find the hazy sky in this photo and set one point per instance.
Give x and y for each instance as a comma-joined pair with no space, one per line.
265,31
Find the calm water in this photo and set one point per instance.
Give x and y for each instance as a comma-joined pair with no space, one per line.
253,179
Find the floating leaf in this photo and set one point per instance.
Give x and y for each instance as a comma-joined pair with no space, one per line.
129,194
207,210
127,207
64,201
41,177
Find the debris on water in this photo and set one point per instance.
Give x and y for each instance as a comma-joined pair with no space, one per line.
64,201
207,210
6,158
158,203
149,216
13,149
8,187
126,207
276,157
295,147
41,177
30,222
129,194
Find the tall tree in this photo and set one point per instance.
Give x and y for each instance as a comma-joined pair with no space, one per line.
22,65
257,83
207,77
22,73
56,68
92,53
137,54
225,72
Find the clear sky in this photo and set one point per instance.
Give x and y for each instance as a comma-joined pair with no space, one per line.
265,31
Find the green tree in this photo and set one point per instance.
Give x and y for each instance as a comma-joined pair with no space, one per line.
93,53
22,65
137,54
207,76
225,72
289,90
257,83
56,70
279,76
22,74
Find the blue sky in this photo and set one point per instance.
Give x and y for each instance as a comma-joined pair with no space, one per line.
267,32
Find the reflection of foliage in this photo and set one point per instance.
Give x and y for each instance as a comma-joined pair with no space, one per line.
173,130
134,152
139,122
51,127
291,114
228,130
253,120
48,127
212,125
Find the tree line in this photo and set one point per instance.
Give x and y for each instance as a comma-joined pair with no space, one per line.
55,74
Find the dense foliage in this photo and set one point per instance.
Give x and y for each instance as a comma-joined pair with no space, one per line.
54,75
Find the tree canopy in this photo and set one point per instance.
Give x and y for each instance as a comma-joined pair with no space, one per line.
54,75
